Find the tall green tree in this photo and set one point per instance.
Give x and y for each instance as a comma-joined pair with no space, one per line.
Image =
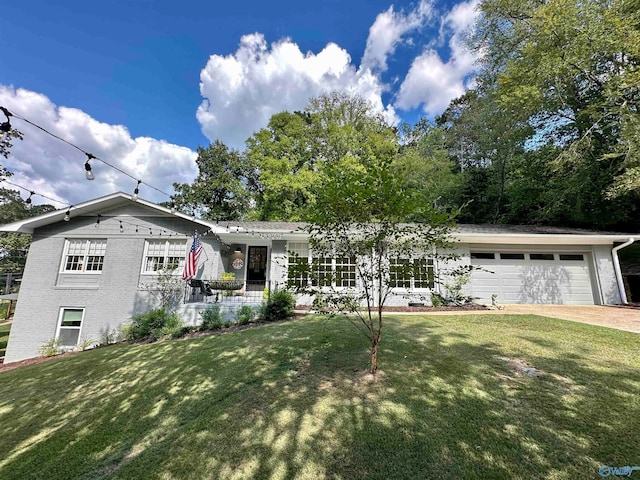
222,189
294,150
571,70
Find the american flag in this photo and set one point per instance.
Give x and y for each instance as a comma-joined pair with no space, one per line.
191,265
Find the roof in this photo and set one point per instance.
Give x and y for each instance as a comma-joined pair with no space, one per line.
93,207
468,233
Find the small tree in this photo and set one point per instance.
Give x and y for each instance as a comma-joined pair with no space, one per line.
360,220
168,288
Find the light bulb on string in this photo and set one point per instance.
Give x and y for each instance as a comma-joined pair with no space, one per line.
97,225
87,167
5,127
67,216
134,197
121,227
28,201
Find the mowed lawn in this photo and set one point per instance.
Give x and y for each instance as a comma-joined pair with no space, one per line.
289,401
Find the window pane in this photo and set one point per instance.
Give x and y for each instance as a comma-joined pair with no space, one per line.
153,264
77,247
74,263
69,336
423,276
97,247
71,318
483,255
298,271
94,263
541,256
346,272
572,256
512,256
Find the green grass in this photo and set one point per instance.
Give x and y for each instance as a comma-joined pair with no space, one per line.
4,337
289,401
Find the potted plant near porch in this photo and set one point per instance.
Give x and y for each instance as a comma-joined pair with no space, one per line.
227,281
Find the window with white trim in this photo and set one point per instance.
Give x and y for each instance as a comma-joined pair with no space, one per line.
298,265
303,268
69,326
164,254
407,273
84,255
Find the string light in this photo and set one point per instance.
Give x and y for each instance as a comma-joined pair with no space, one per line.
134,197
5,127
87,167
28,201
90,156
67,215
121,227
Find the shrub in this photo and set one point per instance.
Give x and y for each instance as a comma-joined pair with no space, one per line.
211,318
153,325
436,300
49,348
279,306
245,315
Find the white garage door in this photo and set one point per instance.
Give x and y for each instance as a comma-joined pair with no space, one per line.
560,278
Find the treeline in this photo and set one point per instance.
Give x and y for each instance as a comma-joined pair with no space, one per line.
550,134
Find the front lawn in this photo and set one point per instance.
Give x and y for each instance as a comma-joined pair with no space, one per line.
289,401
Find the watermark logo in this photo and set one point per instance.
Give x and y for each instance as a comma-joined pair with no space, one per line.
626,471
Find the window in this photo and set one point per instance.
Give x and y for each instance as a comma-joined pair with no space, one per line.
320,271
572,257
483,255
512,256
541,256
164,254
298,267
69,326
84,256
346,272
416,273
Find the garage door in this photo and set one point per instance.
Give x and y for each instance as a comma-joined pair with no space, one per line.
559,278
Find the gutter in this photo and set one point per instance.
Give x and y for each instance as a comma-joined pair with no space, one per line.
616,268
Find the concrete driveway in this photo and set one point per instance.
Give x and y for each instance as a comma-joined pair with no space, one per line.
622,318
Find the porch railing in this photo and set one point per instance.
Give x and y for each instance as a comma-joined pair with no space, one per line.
202,291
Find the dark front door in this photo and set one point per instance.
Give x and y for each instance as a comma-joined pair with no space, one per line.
257,266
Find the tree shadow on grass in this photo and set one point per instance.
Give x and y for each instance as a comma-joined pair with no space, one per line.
285,401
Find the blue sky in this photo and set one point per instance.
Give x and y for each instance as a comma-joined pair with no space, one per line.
142,83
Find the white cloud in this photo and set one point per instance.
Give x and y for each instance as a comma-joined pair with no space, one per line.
243,90
431,82
387,31
49,166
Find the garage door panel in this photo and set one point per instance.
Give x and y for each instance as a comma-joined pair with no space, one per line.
533,281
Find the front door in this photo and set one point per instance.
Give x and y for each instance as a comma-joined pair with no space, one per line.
257,268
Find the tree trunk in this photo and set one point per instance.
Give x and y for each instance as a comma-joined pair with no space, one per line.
374,357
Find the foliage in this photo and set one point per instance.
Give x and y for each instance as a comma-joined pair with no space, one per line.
293,152
445,386
5,328
245,315
222,189
14,246
167,288
454,284
50,348
110,336
153,325
279,306
228,276
211,318
558,88
361,217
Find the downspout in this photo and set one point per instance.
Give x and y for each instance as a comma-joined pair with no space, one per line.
616,268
